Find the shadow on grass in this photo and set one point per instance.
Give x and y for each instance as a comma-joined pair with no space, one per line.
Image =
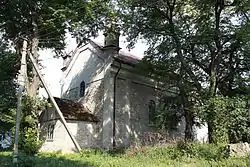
41,161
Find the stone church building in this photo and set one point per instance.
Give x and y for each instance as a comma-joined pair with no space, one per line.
105,102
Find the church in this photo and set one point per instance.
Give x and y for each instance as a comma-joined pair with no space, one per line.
106,102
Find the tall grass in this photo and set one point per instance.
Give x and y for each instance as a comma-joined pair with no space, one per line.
174,155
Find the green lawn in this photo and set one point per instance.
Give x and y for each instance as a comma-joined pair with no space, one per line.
143,157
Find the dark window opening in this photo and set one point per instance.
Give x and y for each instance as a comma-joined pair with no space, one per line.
50,132
82,89
152,112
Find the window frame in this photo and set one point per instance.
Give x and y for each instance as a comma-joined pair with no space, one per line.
82,89
151,113
50,132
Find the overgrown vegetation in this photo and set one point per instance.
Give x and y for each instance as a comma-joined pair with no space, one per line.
229,118
30,142
169,113
199,47
7,86
180,154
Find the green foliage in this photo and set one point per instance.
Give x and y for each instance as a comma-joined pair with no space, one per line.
169,113
29,132
200,150
7,86
31,110
239,124
29,141
229,118
90,152
180,150
20,18
52,19
181,154
201,47
89,17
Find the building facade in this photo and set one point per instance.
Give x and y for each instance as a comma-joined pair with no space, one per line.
105,82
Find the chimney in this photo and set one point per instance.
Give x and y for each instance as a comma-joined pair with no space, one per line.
112,35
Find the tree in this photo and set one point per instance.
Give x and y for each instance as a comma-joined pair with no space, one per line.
230,118
162,24
43,23
197,44
7,86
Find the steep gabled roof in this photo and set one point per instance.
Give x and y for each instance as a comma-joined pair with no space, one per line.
124,57
127,58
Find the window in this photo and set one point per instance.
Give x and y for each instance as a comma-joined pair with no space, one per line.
82,89
152,112
1,136
50,132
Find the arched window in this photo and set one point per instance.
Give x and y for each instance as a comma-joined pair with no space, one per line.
50,132
152,112
82,89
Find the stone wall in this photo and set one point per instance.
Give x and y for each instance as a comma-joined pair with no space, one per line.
238,149
94,100
86,133
87,65
132,112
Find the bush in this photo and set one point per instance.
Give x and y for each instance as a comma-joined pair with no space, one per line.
29,141
29,131
228,118
205,151
26,161
90,152
181,149
169,113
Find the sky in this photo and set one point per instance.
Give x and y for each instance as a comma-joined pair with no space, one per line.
52,66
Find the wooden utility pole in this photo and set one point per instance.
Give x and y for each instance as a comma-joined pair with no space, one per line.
21,88
54,102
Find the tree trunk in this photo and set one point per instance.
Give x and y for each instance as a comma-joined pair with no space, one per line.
189,135
214,62
189,132
213,83
212,92
185,68
35,81
210,132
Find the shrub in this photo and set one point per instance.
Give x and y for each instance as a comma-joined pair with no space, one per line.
205,151
29,131
29,141
153,138
26,161
90,152
169,113
228,118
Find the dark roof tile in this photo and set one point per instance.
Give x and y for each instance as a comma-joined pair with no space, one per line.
73,110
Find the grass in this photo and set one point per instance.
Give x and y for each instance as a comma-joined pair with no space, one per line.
180,155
